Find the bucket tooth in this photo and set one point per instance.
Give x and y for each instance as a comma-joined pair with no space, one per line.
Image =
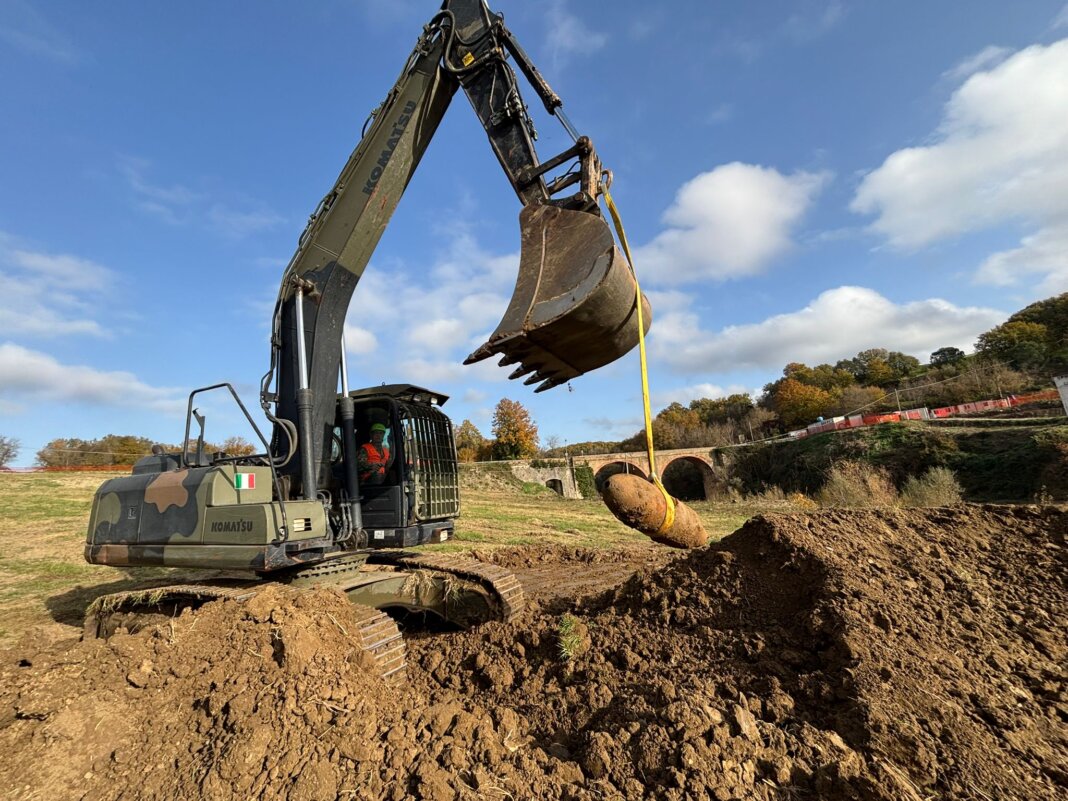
534,379
509,359
519,372
483,352
549,383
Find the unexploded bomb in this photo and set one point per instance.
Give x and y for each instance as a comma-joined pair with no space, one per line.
641,505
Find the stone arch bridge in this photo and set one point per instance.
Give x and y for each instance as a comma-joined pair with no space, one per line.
687,473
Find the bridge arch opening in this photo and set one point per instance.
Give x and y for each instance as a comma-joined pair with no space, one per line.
556,485
613,468
689,479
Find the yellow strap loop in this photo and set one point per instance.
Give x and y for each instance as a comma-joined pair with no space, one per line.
669,517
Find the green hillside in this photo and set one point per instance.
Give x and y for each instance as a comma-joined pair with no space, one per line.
994,461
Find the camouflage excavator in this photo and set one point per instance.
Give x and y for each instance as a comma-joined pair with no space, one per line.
299,512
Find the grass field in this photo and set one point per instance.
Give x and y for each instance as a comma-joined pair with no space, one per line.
44,579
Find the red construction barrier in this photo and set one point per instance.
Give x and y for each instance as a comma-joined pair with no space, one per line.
1034,397
876,419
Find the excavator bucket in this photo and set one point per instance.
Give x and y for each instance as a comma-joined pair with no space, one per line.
573,307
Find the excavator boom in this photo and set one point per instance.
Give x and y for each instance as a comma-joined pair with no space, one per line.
304,512
573,308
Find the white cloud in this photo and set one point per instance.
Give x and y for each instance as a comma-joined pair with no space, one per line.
999,157
61,270
473,396
427,373
172,204
836,325
806,27
359,341
25,28
720,114
442,334
686,394
49,294
989,56
27,374
419,325
1044,254
813,20
1061,20
612,427
178,205
461,301
237,224
568,35
667,300
729,223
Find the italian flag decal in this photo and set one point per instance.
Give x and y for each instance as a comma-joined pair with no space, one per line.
244,481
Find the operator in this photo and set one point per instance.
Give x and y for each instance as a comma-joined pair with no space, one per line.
374,459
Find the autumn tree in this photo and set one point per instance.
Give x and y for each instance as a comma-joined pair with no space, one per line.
237,446
947,355
1021,344
720,410
823,376
9,449
902,364
1052,313
855,399
677,427
799,404
879,366
516,435
469,442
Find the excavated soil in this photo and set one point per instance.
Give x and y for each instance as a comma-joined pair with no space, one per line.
840,655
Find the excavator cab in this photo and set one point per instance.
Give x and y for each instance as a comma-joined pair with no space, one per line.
414,499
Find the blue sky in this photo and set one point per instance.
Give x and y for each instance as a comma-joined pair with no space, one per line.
801,181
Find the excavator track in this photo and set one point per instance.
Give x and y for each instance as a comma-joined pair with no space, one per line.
380,637
504,586
153,599
377,633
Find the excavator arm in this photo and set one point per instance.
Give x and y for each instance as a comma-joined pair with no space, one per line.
573,309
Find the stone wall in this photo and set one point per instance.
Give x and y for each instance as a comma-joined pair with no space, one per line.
544,475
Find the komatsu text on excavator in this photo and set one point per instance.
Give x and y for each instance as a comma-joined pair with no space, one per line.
316,507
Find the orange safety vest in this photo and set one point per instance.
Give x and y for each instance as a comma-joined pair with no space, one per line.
379,461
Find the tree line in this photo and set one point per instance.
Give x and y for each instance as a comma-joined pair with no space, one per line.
1019,355
123,449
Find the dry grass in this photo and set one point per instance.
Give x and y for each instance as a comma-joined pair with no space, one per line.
857,485
937,487
44,580
571,641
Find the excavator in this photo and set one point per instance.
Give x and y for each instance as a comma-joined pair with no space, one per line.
308,511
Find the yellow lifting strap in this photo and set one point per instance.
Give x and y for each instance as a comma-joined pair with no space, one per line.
669,517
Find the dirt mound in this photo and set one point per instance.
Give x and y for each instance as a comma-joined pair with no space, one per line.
896,655
874,655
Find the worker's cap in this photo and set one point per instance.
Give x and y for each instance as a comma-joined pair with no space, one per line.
378,427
